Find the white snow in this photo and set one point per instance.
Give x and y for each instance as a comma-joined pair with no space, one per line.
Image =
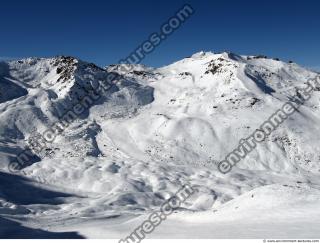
154,131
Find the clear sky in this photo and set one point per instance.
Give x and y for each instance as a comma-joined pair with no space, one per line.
105,31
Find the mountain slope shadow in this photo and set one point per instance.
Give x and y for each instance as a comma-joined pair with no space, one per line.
13,230
260,82
8,89
21,191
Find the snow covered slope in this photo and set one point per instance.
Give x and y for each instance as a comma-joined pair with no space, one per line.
151,132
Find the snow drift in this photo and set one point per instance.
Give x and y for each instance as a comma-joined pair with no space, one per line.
152,131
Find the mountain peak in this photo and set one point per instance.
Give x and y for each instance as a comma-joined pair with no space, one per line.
155,127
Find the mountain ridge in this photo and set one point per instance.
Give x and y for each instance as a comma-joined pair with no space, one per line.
154,130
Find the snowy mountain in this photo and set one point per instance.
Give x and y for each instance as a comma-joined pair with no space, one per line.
153,130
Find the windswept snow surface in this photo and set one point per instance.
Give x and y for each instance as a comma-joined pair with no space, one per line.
152,132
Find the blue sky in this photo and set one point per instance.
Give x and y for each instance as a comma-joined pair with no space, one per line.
104,32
